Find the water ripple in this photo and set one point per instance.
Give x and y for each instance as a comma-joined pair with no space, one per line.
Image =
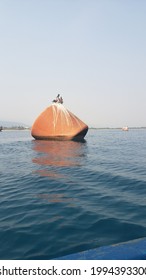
58,198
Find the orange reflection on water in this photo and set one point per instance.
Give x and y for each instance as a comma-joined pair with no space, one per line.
53,154
57,198
60,197
48,173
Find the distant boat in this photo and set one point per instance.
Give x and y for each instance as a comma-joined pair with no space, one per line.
125,128
1,128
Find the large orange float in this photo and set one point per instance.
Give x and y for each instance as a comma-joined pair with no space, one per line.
58,123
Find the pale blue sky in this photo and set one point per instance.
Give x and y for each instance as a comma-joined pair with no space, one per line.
92,52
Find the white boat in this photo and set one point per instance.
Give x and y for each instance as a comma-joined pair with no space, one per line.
125,128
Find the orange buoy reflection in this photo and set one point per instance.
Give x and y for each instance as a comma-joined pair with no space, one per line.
55,154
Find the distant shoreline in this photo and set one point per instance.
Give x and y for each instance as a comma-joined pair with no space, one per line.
92,128
15,128
110,128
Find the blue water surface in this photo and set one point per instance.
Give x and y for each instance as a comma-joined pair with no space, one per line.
63,197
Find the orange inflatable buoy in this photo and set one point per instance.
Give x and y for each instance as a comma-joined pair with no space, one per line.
58,123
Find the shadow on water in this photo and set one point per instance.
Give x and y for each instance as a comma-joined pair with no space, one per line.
54,155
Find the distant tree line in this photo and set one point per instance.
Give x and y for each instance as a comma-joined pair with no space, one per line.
19,127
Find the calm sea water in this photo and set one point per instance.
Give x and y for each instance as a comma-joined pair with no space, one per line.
58,198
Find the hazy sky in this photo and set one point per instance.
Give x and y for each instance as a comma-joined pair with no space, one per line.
92,52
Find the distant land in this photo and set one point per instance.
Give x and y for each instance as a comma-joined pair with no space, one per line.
6,125
132,127
13,125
